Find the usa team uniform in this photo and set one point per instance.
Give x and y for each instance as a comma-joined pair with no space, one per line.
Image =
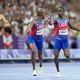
61,33
36,35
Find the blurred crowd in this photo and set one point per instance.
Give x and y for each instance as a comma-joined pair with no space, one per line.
20,12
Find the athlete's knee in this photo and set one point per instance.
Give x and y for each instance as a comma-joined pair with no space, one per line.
67,55
55,56
33,52
39,51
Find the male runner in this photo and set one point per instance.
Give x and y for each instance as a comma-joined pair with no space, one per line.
61,26
35,37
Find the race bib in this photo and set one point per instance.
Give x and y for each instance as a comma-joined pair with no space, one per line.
63,32
40,32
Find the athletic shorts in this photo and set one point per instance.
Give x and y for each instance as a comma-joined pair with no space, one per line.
61,43
37,40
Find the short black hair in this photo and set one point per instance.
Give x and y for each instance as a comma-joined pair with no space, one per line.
61,8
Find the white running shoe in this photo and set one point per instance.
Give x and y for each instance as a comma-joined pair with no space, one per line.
58,74
34,73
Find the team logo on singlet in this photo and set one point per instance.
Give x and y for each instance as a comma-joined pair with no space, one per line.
40,26
63,27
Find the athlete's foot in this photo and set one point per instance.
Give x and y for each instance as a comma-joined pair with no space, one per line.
58,74
34,73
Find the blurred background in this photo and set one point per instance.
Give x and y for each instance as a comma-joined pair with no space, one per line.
20,12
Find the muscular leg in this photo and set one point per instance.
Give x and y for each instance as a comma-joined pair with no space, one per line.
33,49
56,55
40,57
39,45
66,53
65,48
